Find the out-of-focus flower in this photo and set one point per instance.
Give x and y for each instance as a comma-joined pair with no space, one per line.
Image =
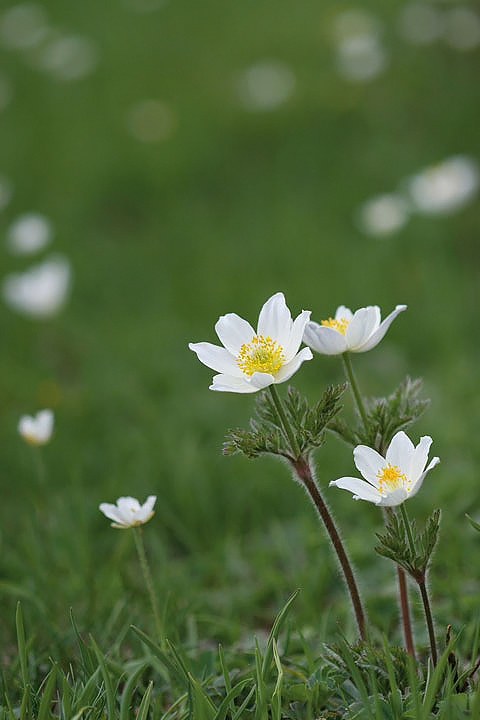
23,26
392,479
249,360
360,55
37,429
462,30
40,291
128,512
67,57
421,24
151,121
446,187
265,86
29,233
384,214
354,332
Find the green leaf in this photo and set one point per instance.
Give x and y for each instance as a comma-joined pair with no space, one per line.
145,704
274,633
22,651
474,524
44,709
107,680
203,707
128,691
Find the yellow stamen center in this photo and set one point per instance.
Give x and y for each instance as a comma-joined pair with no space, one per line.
261,355
340,324
391,478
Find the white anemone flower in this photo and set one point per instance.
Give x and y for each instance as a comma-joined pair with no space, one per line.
36,430
392,479
353,332
40,291
249,360
128,512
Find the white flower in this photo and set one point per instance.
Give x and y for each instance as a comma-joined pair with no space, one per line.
36,430
249,360
355,332
29,233
384,214
446,187
128,512
392,479
40,291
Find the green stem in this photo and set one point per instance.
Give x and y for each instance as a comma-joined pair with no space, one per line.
137,533
347,366
284,420
429,619
408,529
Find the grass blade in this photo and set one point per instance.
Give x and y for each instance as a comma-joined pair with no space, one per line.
106,679
274,633
128,691
45,702
145,704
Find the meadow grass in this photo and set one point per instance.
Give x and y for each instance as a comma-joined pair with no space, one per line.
163,238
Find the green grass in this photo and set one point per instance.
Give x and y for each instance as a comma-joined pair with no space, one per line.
163,238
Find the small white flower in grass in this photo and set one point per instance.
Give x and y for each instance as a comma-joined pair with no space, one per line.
249,360
353,332
40,291
392,479
36,430
128,512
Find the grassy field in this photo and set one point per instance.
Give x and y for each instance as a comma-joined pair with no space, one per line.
231,205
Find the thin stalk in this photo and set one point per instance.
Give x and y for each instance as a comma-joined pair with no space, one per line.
40,467
284,420
429,619
304,473
404,605
137,533
347,366
408,529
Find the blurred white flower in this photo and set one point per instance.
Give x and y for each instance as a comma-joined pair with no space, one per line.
249,360
445,187
352,332
29,233
40,291
392,479
265,86
462,30
36,430
384,214
360,55
67,57
128,512
151,121
23,26
421,24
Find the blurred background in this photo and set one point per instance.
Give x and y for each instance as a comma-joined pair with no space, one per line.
164,162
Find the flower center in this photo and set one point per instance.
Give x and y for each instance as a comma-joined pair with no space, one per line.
391,478
261,355
340,324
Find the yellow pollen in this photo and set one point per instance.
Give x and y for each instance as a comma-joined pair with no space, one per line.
340,324
391,478
261,355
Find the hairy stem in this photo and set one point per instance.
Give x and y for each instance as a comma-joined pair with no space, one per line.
147,575
407,626
304,473
429,619
284,420
347,366
408,530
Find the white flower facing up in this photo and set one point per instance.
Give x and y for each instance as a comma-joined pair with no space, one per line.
128,512
36,430
392,479
249,360
353,332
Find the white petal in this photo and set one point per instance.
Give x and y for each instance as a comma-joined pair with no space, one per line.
364,322
296,335
400,452
417,485
275,320
343,313
361,489
369,462
216,358
375,338
261,380
396,497
419,458
44,421
111,512
287,370
147,507
127,509
233,331
323,339
227,383
26,425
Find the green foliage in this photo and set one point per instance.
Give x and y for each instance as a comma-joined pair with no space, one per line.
394,544
267,435
386,416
